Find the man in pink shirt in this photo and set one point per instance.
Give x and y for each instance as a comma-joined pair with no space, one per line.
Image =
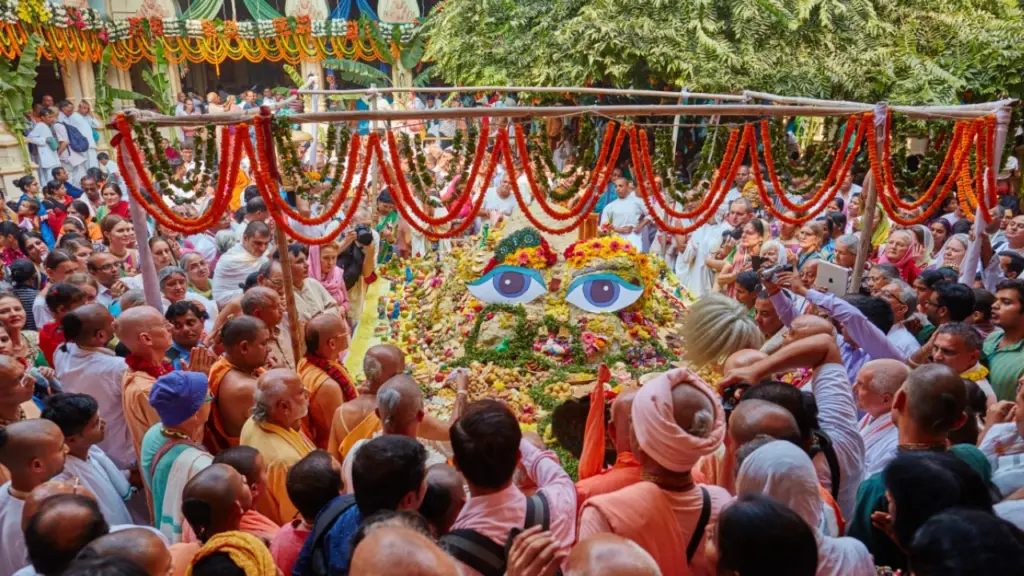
677,418
487,446
311,483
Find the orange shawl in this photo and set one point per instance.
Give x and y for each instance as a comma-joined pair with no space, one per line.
215,438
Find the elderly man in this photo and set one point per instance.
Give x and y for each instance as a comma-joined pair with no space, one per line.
902,298
845,254
237,263
33,451
610,555
139,545
958,345
677,419
875,388
357,420
233,380
103,267
267,305
324,376
396,550
171,454
86,366
400,409
275,429
146,334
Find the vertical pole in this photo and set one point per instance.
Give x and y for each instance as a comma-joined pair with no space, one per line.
311,159
675,125
1002,126
881,110
289,293
374,168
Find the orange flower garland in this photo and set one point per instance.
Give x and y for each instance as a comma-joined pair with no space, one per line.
263,148
837,161
591,189
849,154
719,185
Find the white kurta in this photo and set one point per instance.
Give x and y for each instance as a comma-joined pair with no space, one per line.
110,485
98,373
232,269
86,125
48,159
72,161
13,552
628,211
881,439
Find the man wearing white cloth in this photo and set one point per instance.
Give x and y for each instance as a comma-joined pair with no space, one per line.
46,144
876,386
236,264
74,162
87,125
625,215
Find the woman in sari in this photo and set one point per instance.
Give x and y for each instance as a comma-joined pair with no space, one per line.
323,267
749,246
902,250
197,271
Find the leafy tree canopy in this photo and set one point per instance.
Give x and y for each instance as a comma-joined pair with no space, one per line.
903,51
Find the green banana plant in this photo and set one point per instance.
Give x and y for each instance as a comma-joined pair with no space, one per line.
16,83
107,95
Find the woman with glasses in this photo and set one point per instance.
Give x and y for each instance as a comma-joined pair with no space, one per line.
811,236
174,288
741,260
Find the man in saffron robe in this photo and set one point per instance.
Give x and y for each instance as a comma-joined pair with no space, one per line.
147,336
357,420
233,380
325,378
626,471
275,429
677,419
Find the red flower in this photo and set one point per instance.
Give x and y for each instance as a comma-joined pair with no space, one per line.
614,245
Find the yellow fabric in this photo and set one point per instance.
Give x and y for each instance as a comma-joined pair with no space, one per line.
364,336
312,379
881,233
364,431
281,449
248,552
236,192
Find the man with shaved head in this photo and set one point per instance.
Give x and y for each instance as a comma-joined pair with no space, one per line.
233,380
324,376
266,304
400,410
145,332
213,502
875,387
84,365
676,419
33,452
387,551
610,555
139,545
15,398
593,478
275,429
931,403
60,529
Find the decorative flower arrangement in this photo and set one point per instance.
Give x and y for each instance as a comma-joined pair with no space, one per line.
116,30
302,25
247,30
60,15
8,13
266,28
199,28
618,254
525,248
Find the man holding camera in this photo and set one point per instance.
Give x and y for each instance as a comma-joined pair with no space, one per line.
358,260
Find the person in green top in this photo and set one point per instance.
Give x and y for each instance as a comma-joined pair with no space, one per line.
1004,347
924,285
931,403
387,226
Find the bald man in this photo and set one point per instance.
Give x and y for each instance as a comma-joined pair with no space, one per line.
610,555
33,452
593,479
275,429
139,545
213,502
400,411
388,551
15,398
324,376
875,388
60,529
84,365
145,332
444,498
676,419
808,325
357,420
931,403
232,380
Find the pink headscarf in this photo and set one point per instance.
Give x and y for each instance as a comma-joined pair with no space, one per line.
907,261
333,281
655,426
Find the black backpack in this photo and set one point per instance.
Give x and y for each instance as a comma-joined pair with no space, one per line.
484,555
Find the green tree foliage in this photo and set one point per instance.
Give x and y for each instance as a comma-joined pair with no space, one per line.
17,79
903,51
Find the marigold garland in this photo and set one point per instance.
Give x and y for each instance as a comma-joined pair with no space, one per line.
830,179
933,188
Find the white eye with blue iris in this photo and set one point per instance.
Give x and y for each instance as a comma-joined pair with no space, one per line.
508,285
602,293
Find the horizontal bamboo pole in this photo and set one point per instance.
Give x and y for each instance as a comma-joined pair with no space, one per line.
988,107
750,110
542,89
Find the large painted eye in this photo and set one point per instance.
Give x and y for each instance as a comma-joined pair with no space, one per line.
602,292
508,285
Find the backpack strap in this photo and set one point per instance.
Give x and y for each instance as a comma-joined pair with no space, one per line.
476,551
325,520
825,446
702,524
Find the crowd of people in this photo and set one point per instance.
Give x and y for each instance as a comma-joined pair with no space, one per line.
852,433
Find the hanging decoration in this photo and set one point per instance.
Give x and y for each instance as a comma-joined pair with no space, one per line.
82,33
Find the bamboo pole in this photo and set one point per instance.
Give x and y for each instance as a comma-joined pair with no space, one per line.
537,89
989,107
289,293
869,204
732,110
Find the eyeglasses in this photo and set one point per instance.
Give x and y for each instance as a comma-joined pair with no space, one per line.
930,303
